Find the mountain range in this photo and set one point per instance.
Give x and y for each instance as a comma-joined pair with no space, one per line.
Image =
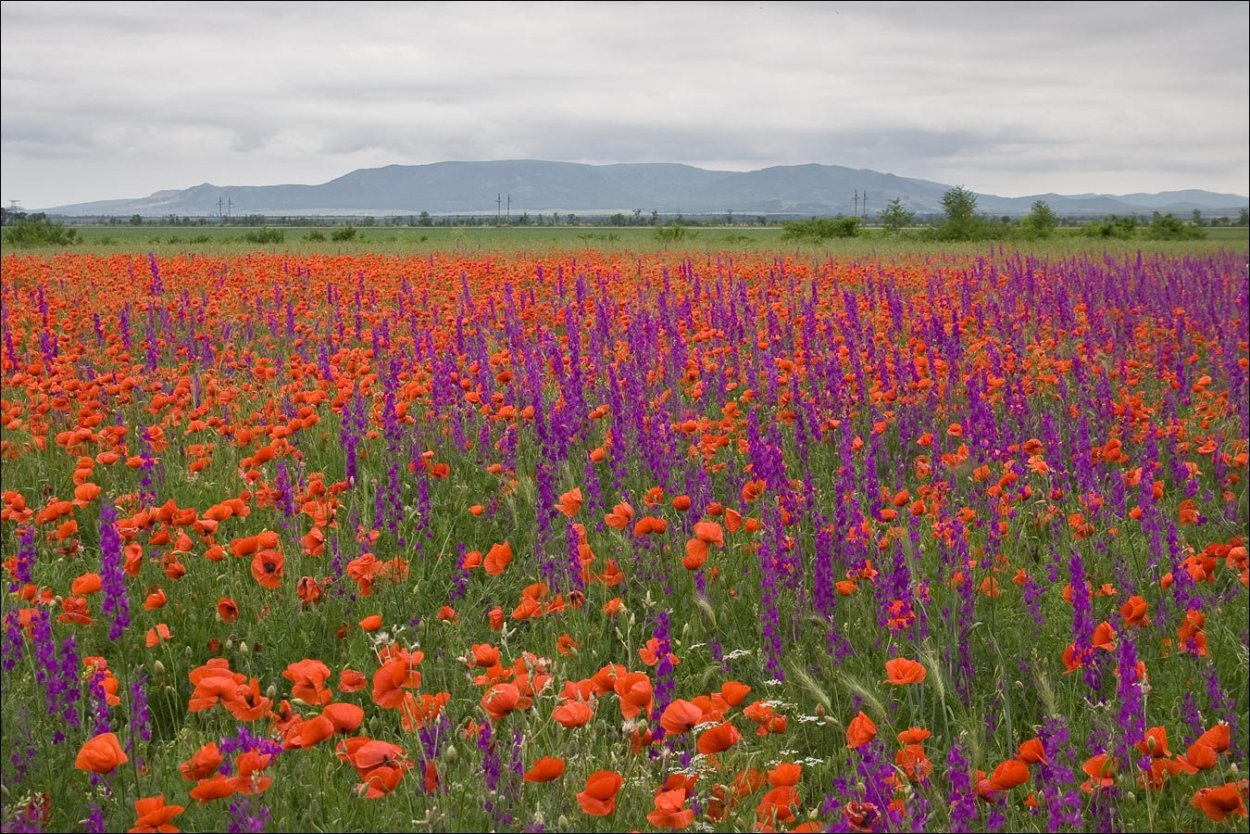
539,186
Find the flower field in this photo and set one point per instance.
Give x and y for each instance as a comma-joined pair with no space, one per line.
608,541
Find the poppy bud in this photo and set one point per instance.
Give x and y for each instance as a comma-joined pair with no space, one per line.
229,644
271,691
1132,797
158,669
244,648
451,754
1019,686
562,823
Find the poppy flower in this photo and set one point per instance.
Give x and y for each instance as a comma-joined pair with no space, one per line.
914,762
205,762
157,635
351,680
570,502
1101,771
1032,752
680,716
620,517
1155,744
373,622
497,558
573,714
154,815
501,699
718,739
156,599
670,810
101,754
88,583
599,797
1009,774
308,678
785,774
901,671
215,787
545,770
860,731
635,694
1219,803
267,568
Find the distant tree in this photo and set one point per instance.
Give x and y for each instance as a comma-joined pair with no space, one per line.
817,229
655,217
136,220
962,222
894,217
424,219
1197,216
38,230
1171,227
1041,221
1243,217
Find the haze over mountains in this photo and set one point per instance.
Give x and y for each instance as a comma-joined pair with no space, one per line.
539,186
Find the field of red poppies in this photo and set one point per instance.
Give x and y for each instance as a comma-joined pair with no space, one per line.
625,541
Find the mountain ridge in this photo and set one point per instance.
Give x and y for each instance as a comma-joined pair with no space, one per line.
469,187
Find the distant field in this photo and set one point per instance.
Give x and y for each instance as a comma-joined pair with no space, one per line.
408,240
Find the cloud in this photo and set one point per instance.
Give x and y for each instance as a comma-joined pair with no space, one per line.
1011,98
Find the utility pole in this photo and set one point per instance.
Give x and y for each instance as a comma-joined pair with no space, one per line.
856,203
509,208
865,206
498,205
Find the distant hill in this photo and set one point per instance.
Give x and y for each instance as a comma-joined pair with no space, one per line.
538,186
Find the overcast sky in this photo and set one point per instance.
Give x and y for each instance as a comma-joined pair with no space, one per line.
109,100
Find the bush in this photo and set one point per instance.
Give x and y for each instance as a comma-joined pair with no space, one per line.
821,228
674,233
315,237
39,231
346,233
1114,226
1170,227
265,236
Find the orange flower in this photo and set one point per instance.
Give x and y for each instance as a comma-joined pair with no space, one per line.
573,714
1101,771
1221,802
154,815
570,502
205,762
497,558
351,680
785,774
267,568
718,738
1134,611
635,694
1155,744
902,671
599,797
545,770
87,584
620,517
1009,774
680,716
1032,752
157,634
860,731
371,623
101,754
345,717
670,810
309,681
501,699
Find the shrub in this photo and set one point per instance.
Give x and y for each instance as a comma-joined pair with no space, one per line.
821,228
265,236
39,231
348,232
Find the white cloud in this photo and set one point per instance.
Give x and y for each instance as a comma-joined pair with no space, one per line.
121,99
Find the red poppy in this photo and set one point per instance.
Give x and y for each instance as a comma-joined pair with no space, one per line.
860,731
154,815
901,671
599,797
545,769
101,754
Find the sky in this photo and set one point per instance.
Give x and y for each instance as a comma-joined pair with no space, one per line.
110,100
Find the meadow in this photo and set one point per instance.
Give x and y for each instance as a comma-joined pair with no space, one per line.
493,532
